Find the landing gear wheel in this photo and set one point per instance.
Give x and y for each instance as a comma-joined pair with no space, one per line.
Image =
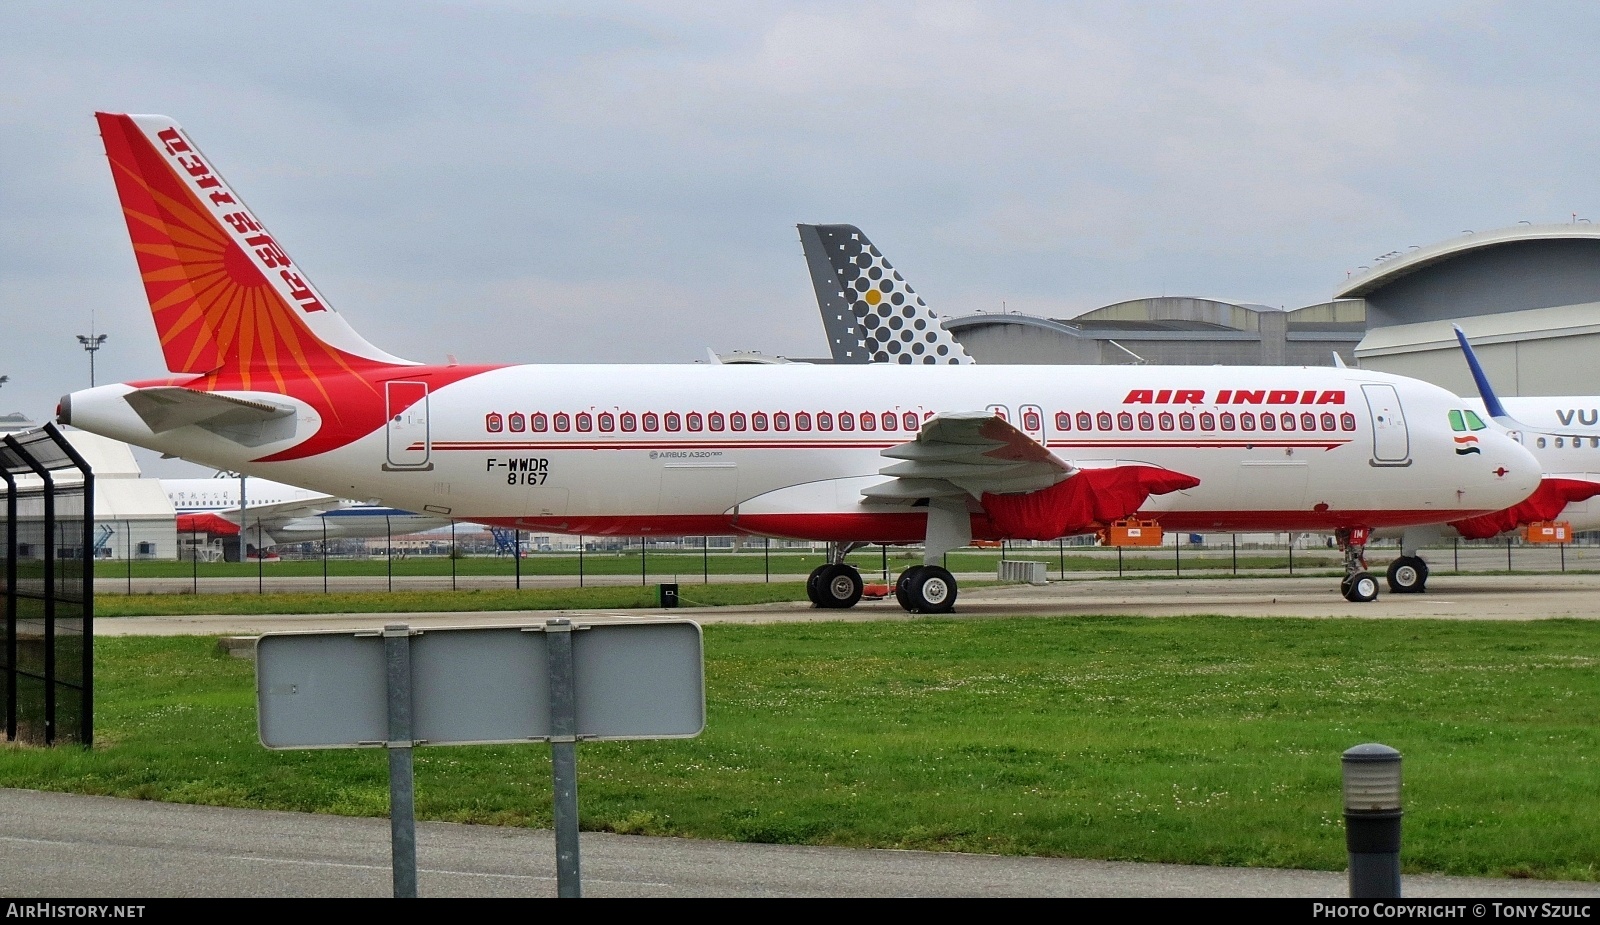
931,590
902,586
1408,575
1359,588
814,585
838,587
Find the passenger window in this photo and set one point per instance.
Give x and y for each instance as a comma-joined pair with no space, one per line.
909,421
1186,421
652,421
1247,420
869,421
630,422
493,423
1146,421
1227,420
674,421
847,421
1347,421
1063,420
695,421
716,420
1103,420
541,422
1541,443
1288,420
736,420
563,422
585,421
1030,421
802,420
824,421
1328,423
517,422
780,420
1268,422
891,421
608,421
1165,420
1124,421
1308,421
1559,444
758,420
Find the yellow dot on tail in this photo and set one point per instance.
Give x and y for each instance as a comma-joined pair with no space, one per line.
874,297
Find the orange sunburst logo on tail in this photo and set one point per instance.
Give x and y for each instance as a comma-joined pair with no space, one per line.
214,307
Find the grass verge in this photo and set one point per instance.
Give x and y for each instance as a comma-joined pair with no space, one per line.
1201,740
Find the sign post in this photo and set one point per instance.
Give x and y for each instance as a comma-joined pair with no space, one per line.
558,682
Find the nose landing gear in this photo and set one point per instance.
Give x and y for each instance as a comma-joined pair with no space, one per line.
1358,586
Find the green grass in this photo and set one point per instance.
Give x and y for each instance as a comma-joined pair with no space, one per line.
602,598
663,566
1194,740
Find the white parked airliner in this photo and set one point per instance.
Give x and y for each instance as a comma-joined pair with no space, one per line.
860,331
265,378
279,513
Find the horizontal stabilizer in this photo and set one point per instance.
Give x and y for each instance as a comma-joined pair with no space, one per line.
242,420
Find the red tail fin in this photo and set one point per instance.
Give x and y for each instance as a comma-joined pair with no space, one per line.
223,293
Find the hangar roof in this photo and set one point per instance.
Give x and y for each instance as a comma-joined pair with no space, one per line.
1392,268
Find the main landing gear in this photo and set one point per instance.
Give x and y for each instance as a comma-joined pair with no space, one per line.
836,585
1408,575
926,589
1358,585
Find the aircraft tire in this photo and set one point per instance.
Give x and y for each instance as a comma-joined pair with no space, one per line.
902,586
839,587
1359,588
932,590
814,585
1408,575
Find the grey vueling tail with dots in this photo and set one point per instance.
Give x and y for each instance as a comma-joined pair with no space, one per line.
870,313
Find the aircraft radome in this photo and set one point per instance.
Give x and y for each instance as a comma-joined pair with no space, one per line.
265,378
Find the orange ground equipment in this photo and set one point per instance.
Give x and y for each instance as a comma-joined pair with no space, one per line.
1132,532
1549,531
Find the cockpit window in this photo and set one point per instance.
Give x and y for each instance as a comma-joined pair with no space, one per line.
1475,422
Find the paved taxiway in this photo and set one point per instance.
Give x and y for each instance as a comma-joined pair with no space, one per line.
1450,597
61,845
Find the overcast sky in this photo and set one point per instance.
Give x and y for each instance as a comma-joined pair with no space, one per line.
552,182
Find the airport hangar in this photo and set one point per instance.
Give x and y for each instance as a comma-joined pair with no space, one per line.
1528,296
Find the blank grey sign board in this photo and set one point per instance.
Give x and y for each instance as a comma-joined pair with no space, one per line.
637,680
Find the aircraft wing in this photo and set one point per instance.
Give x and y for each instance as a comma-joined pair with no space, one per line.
967,453
272,519
1027,491
246,422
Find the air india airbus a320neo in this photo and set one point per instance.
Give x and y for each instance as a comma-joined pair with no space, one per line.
265,378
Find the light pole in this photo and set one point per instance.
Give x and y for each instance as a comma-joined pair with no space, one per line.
91,342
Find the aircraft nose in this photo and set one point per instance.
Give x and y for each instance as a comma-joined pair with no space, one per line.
1515,470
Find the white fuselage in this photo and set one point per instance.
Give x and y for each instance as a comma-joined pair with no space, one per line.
1378,451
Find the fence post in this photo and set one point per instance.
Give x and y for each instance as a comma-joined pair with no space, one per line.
1508,553
1119,561
1236,555
388,531
1061,556
1177,555
516,536
194,561
643,569
1291,555
261,575
580,560
705,560
324,520
1455,552
766,557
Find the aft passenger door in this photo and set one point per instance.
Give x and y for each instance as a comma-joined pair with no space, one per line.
1391,441
407,440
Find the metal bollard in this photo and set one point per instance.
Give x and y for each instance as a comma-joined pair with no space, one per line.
1372,820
